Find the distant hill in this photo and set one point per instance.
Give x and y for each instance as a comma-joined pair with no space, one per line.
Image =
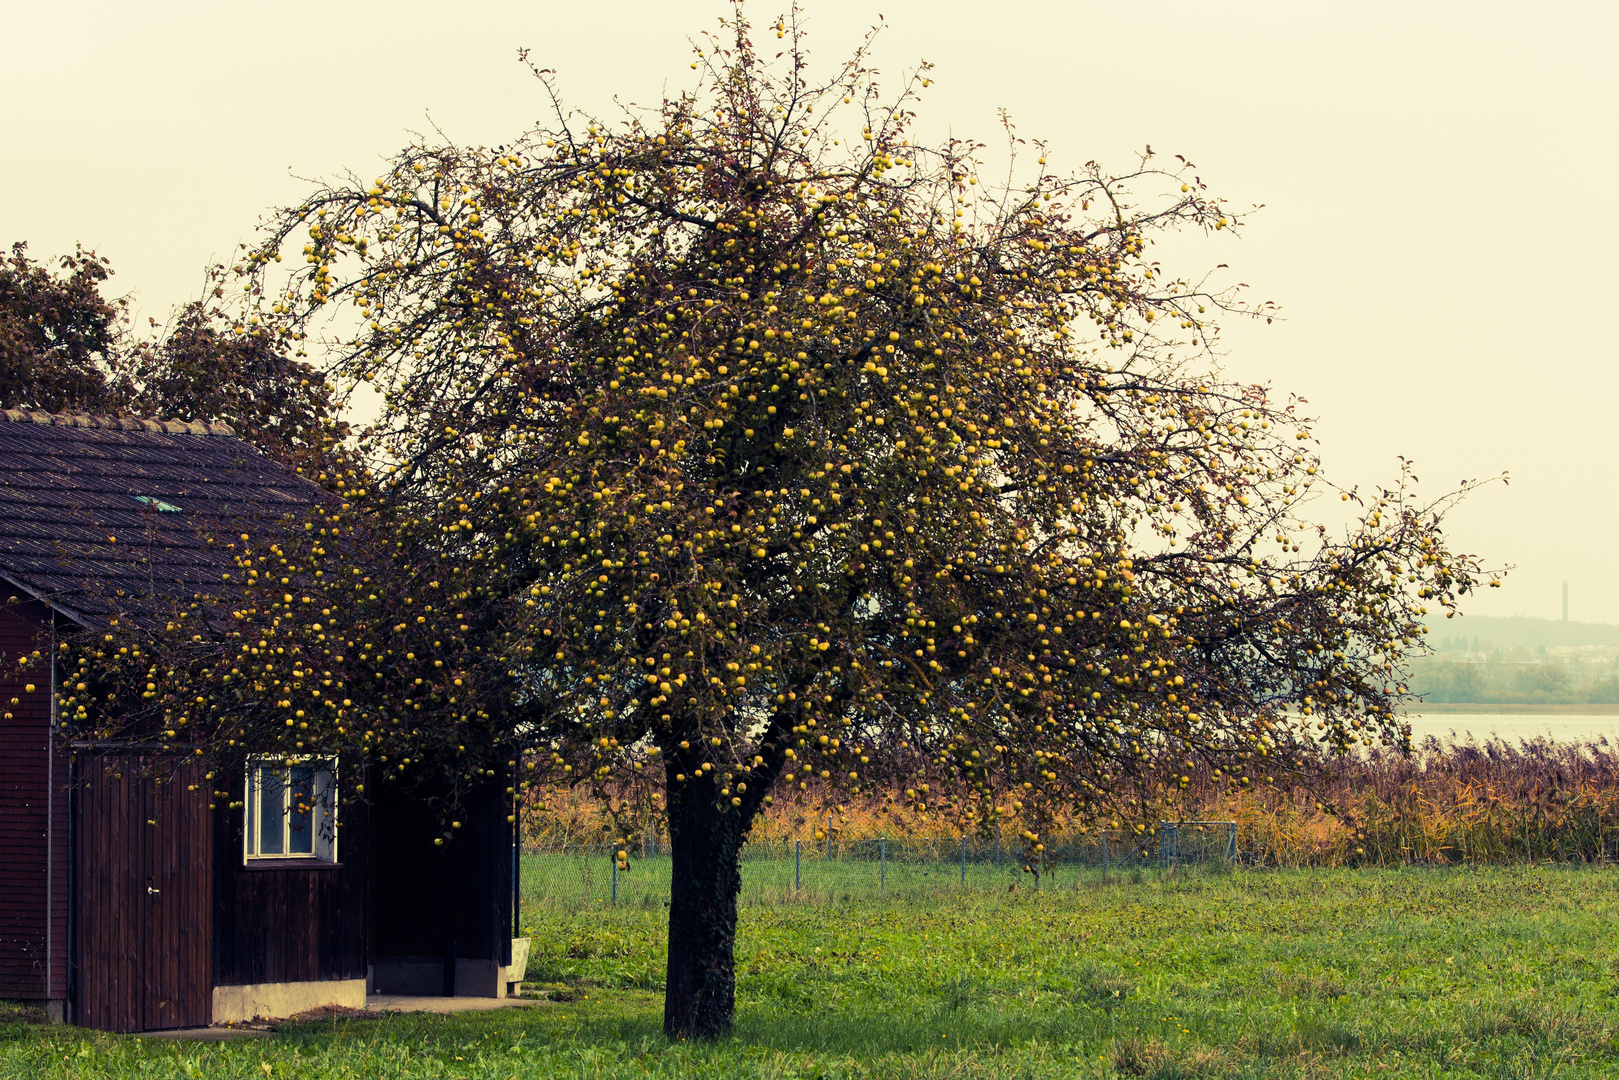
1521,631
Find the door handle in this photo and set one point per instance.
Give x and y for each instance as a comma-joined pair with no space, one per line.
151,891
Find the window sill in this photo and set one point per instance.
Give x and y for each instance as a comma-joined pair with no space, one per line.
290,864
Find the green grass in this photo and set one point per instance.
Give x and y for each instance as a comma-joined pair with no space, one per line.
561,883
1327,973
907,872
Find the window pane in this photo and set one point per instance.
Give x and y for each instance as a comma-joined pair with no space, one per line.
300,811
272,811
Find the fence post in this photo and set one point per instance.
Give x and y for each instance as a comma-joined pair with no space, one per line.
1231,841
882,866
615,878
798,854
1104,858
964,858
1163,845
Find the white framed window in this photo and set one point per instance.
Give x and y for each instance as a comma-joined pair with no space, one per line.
291,809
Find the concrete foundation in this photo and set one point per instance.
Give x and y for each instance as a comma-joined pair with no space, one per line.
519,967
235,1004
384,1003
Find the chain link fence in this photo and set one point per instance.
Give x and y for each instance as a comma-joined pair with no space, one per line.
834,870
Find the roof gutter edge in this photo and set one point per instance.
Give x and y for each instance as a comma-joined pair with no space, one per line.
35,594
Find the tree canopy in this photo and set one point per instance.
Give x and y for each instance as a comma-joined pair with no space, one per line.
58,334
201,368
751,447
66,348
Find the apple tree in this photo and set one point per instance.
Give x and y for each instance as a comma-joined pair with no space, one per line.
750,446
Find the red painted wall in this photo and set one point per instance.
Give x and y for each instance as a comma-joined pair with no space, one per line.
33,814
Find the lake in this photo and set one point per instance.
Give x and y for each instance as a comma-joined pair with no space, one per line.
1513,726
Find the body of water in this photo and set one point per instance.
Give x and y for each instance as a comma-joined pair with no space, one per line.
1564,727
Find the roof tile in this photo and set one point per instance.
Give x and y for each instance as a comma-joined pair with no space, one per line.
72,530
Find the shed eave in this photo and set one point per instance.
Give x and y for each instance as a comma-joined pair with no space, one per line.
54,605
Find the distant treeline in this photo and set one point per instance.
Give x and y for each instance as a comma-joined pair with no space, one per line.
1515,678
1488,660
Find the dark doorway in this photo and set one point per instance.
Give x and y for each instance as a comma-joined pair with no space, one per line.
441,912
143,871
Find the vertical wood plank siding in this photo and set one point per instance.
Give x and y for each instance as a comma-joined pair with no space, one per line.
294,924
143,874
33,815
108,941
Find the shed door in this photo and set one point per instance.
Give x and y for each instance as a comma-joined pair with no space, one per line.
144,871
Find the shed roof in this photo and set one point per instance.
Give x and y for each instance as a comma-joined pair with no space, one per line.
101,516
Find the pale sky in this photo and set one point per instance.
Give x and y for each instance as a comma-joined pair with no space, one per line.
1434,228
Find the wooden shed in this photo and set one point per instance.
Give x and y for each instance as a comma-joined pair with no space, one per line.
221,914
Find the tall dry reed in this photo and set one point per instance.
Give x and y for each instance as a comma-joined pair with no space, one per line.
1448,803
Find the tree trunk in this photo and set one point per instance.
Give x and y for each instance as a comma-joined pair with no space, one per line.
705,840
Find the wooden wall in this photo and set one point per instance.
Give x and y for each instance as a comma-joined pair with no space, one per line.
425,895
293,924
33,815
142,889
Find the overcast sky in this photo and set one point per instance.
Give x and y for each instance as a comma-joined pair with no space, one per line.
1435,180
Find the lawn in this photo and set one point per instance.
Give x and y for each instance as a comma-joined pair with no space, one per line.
1392,973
